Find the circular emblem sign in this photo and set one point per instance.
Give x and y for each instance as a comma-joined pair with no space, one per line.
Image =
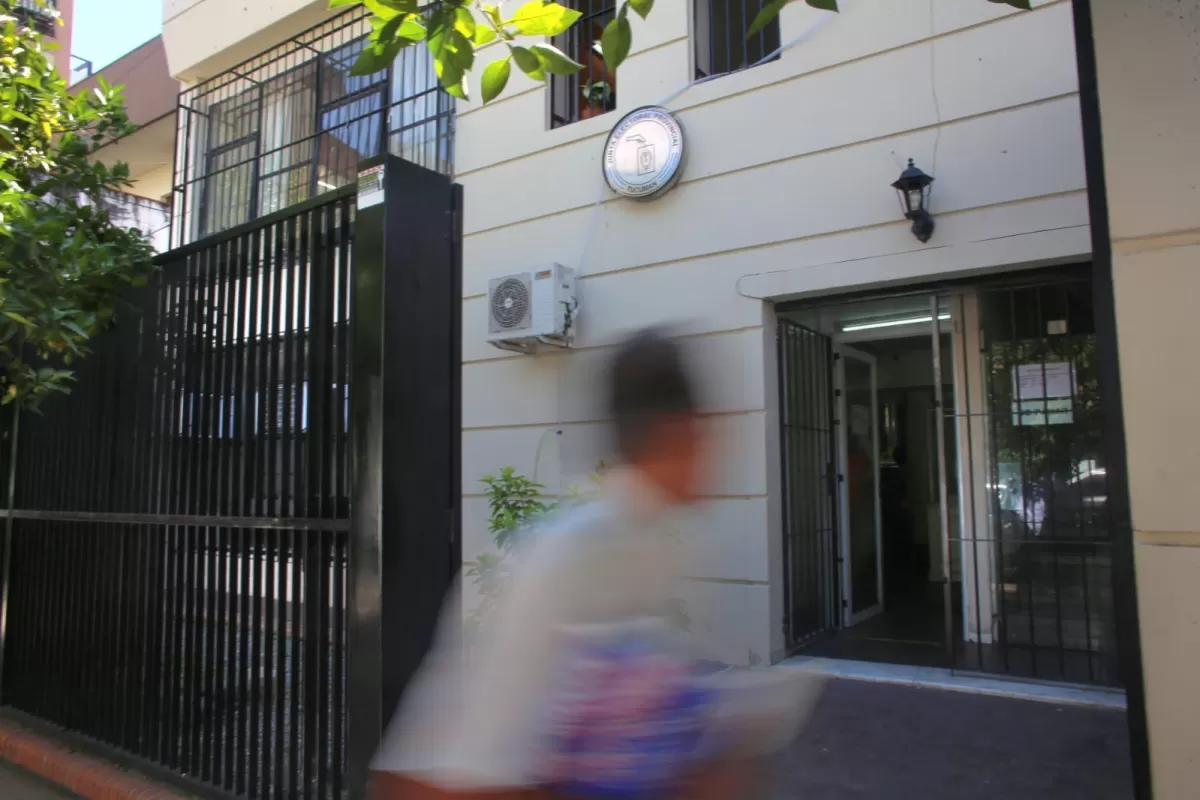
643,156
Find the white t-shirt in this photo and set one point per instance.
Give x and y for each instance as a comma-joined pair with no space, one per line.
476,718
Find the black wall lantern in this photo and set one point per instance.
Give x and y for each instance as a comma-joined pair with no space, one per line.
913,187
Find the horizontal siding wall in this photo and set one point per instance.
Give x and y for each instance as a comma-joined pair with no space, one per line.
788,169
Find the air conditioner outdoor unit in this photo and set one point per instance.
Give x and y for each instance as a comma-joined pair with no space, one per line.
531,309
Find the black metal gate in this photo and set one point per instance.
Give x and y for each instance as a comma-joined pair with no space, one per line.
812,593
179,585
1048,485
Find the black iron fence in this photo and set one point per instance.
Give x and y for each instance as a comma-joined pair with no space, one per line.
293,123
180,532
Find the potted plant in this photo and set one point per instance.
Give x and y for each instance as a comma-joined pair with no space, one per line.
597,99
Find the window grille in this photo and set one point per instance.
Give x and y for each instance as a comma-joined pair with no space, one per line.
720,40
593,90
292,123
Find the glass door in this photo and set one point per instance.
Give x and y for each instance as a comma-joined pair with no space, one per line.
861,533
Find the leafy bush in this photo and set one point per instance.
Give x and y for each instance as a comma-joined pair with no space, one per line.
515,503
64,262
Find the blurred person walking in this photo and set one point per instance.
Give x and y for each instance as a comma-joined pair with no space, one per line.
579,686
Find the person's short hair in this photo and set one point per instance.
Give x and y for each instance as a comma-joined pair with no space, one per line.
648,380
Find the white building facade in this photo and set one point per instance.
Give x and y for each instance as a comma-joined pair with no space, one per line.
785,194
783,257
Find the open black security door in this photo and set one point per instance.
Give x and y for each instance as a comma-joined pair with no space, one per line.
812,597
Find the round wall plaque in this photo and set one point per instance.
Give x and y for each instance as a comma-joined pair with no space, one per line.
643,157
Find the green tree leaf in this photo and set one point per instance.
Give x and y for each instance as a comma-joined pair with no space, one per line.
824,5
1021,4
555,61
616,41
492,11
408,30
464,22
456,86
543,18
528,62
642,7
484,34
495,78
412,30
383,10
770,11
378,56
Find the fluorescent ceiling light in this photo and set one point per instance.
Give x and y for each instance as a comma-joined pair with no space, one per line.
890,323
325,185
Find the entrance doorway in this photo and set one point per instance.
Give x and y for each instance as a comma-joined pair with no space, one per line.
944,473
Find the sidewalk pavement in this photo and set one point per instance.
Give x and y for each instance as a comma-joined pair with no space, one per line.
877,741
16,784
73,774
865,741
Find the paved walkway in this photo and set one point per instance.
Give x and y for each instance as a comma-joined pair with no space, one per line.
875,741
18,785
878,741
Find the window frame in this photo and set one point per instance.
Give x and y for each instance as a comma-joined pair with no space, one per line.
304,152
555,83
694,11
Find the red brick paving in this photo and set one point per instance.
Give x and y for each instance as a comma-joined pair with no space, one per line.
86,777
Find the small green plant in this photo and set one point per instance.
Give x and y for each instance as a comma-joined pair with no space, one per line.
597,94
515,503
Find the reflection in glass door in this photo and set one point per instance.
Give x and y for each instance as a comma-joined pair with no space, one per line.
862,565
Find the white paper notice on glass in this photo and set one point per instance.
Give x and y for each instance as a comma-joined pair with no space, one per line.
1043,394
1041,381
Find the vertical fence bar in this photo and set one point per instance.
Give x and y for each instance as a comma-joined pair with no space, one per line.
240,750
6,575
943,499
175,392
305,389
277,586
206,696
344,294
782,332
227,650
285,409
325,381
256,733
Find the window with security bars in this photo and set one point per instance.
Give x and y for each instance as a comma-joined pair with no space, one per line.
593,90
293,122
720,40
294,136
40,15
